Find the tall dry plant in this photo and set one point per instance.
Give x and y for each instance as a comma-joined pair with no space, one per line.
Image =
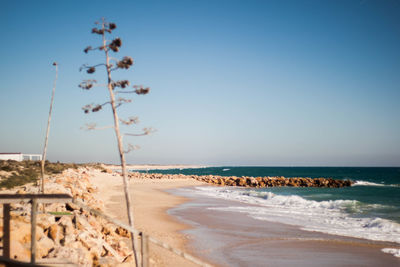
47,131
115,88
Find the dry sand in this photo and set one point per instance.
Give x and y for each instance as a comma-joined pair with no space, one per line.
150,210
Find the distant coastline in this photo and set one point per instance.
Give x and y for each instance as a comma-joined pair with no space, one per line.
143,167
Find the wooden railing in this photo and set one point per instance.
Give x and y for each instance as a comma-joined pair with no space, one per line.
34,199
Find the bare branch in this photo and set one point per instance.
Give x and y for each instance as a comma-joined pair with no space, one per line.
86,50
125,92
87,108
106,27
146,131
131,148
90,48
93,126
91,69
97,108
98,31
121,101
131,120
94,107
140,90
114,45
149,130
114,59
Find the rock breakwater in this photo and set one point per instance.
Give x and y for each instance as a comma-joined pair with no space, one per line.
251,181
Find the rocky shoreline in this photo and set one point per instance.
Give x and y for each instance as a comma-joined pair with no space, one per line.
246,181
66,232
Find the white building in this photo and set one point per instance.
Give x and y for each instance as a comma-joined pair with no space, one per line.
19,156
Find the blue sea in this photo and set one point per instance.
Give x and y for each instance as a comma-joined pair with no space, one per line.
369,209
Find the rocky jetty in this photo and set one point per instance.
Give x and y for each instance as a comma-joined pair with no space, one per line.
250,181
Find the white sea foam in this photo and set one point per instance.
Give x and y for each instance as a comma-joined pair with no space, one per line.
365,183
394,251
322,216
224,170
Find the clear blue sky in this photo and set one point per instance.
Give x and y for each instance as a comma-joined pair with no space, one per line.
233,82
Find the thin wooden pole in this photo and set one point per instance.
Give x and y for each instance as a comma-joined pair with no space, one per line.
145,250
33,230
47,131
6,230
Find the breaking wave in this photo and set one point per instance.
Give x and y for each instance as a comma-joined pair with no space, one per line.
365,183
330,216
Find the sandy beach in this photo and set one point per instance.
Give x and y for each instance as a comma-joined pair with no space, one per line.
150,210
167,212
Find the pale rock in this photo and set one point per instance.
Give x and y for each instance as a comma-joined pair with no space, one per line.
20,252
66,222
61,208
253,181
21,191
56,233
72,206
45,220
76,245
95,223
96,251
21,232
122,232
44,245
108,229
77,256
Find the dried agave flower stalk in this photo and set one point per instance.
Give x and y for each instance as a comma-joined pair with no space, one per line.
125,63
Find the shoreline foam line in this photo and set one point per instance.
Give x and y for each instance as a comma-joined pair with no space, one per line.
324,216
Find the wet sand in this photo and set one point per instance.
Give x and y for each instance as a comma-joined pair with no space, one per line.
232,239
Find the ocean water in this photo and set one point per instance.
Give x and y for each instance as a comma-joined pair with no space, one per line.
369,209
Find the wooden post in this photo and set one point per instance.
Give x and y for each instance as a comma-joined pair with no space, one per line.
145,250
6,231
33,230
